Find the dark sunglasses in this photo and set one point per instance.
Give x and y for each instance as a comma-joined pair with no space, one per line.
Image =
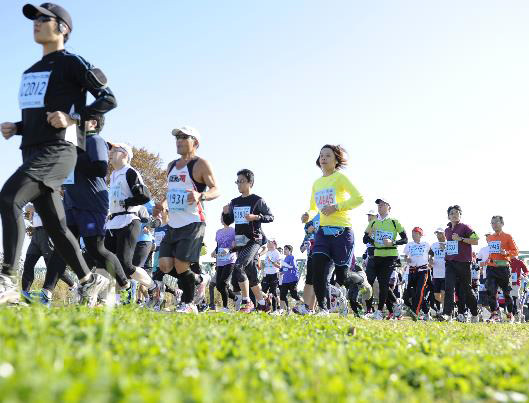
43,18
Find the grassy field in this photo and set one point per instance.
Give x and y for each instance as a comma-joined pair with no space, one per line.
128,354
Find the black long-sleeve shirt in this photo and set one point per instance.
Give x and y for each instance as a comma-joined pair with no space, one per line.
251,204
60,82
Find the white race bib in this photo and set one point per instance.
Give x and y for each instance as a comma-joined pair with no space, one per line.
439,253
495,246
417,250
223,254
115,196
514,278
239,214
325,197
381,235
33,89
70,180
482,287
177,200
452,248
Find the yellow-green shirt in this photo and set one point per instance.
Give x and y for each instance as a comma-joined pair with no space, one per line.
334,189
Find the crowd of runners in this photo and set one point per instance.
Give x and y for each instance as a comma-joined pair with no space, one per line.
122,247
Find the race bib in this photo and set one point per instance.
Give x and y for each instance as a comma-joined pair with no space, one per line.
115,196
514,278
452,248
177,200
70,180
223,254
417,250
158,237
33,89
495,246
439,253
325,197
239,214
381,235
482,287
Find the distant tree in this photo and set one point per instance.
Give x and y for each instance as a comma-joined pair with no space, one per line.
152,170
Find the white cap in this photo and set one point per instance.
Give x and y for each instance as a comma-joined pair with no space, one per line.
190,131
440,229
382,199
372,212
126,147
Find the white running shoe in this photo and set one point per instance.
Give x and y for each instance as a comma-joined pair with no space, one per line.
322,312
474,319
301,309
224,310
186,308
461,318
378,315
238,302
397,310
90,291
8,291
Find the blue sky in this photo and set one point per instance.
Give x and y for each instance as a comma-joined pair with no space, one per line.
431,99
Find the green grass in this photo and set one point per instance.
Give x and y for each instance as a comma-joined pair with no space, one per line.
128,354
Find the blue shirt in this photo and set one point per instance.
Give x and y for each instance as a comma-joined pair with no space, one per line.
149,236
89,193
289,270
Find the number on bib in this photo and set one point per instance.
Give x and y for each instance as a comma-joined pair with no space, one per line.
177,200
115,196
495,246
417,250
33,89
239,214
325,197
381,235
452,248
514,278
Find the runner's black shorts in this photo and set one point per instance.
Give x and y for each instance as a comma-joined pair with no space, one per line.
183,243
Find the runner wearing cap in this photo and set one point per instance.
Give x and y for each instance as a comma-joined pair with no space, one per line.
188,178
437,261
333,196
502,249
460,238
86,206
248,212
52,98
416,254
383,233
128,194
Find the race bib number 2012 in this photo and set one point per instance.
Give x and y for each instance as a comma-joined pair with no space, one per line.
33,89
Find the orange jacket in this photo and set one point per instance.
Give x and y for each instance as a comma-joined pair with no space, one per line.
505,243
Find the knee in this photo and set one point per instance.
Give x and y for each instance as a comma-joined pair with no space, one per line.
165,264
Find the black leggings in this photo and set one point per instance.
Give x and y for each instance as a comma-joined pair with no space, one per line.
382,268
18,191
321,266
95,247
122,242
223,275
141,253
28,275
285,288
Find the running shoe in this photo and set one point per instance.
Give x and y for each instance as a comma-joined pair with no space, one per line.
390,316
444,318
186,308
224,310
154,296
266,307
397,310
247,307
90,290
412,313
201,288
510,318
378,315
322,312
30,296
178,296
8,291
277,312
44,300
238,302
495,317
461,318
302,309
474,319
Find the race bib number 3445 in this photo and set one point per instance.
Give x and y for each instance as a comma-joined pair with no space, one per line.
33,89
325,197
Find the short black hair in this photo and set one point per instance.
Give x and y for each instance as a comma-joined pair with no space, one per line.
289,247
499,217
454,207
247,174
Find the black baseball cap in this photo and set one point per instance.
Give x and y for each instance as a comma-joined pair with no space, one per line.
49,9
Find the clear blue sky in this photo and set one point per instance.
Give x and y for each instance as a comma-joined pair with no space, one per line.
430,98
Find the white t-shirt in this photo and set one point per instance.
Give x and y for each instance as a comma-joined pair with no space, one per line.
418,253
272,256
439,254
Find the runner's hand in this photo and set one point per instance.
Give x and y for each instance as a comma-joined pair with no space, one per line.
456,237
193,196
59,120
388,242
328,210
251,217
8,129
305,218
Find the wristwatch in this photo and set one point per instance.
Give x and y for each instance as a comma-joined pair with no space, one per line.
76,117
202,197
